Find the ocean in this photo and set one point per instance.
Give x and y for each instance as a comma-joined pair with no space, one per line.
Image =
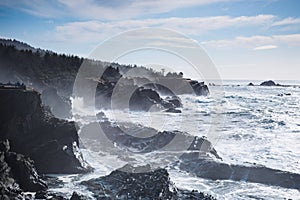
246,124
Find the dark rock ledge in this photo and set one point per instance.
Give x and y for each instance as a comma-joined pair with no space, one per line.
154,184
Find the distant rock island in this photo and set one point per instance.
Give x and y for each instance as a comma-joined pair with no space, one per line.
269,83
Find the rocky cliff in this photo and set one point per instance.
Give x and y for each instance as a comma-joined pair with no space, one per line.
34,132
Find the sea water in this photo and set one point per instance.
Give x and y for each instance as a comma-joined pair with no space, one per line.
247,124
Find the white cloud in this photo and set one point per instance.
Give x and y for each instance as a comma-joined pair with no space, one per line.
102,10
287,21
265,47
89,31
255,42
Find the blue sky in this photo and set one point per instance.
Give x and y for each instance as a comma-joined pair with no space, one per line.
257,39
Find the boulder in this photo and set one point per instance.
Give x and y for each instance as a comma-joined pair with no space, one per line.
199,88
76,196
154,184
143,99
250,84
175,100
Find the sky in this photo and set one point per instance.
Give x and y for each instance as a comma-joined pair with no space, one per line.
245,39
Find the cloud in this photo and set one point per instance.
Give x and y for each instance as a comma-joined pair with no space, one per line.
258,41
102,10
287,21
88,31
265,47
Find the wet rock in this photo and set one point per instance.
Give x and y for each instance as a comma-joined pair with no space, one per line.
250,84
76,196
143,99
53,181
36,133
107,136
7,182
175,100
173,110
149,140
48,195
193,195
18,174
4,146
41,195
24,172
211,169
154,184
199,88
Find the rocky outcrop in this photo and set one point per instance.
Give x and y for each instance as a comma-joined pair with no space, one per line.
59,107
143,99
34,132
199,158
175,100
176,86
76,196
150,185
173,110
211,169
199,88
143,139
268,83
18,174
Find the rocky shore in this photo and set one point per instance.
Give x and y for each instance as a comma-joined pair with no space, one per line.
34,143
36,139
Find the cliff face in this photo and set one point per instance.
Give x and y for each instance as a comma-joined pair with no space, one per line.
34,132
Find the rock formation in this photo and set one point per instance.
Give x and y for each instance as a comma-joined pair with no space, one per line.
154,184
34,132
17,174
268,83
